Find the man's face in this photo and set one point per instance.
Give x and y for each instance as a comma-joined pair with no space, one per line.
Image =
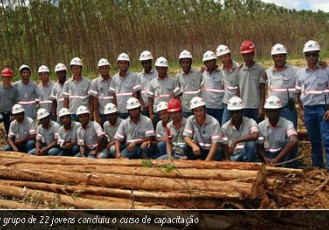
61,75
7,80
123,65
147,65
225,59
175,116
44,76
66,120
162,71
25,74
279,60
134,113
186,63
248,58
112,117
19,117
273,114
84,118
236,115
210,64
76,70
104,70
45,121
312,58
199,113
164,116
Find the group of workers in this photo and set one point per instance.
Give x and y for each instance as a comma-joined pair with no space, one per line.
216,113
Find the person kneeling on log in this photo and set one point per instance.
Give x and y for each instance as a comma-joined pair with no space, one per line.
47,134
278,137
239,134
134,131
21,136
91,138
202,133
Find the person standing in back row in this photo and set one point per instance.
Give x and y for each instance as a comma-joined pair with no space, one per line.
44,89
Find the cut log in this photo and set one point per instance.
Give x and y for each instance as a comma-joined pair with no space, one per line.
286,171
11,204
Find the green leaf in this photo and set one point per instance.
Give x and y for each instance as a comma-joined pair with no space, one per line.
147,163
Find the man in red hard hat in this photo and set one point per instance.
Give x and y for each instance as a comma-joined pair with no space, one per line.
8,97
252,78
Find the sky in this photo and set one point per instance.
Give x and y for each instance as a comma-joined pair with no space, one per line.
313,5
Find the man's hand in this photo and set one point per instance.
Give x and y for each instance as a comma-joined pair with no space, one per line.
93,153
261,113
17,142
15,149
118,156
232,148
39,152
267,161
152,117
131,147
146,145
326,115
196,150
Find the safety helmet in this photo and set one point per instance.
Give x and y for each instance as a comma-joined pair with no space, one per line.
247,47
185,54
22,67
82,110
145,55
311,46
7,72
174,105
133,103
278,49
43,69
103,62
197,102
162,106
42,113
110,108
221,50
76,61
273,102
161,62
123,57
17,108
63,112
60,67
235,103
209,55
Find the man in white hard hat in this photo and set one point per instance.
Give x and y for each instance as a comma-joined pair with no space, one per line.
189,80
230,77
162,88
91,137
76,89
278,137
44,89
312,93
99,91
134,131
146,76
213,86
21,136
202,133
56,94
124,84
239,134
67,134
47,134
110,128
27,91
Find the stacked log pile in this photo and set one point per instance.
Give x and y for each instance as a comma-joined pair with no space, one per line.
64,182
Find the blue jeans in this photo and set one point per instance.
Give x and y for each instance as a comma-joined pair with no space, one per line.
87,151
203,154
23,147
226,115
162,150
187,114
247,154
166,157
317,127
252,113
108,153
138,153
290,114
70,153
51,152
216,113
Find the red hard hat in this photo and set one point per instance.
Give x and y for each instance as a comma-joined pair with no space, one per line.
7,72
174,105
247,47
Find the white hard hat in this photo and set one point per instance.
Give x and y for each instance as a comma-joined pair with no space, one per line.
42,113
110,108
161,62
123,57
17,108
235,103
82,110
64,112
311,46
278,49
76,61
24,67
209,55
197,102
145,55
185,54
162,106
273,102
60,67
221,50
43,69
103,62
133,103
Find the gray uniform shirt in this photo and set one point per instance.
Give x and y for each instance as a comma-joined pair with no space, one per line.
27,94
8,98
99,89
231,82
44,96
160,130
57,95
77,92
68,135
145,80
110,130
176,136
204,136
190,85
88,136
47,136
23,129
123,87
213,88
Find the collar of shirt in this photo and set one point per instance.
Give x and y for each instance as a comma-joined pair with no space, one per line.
88,126
102,79
49,126
253,67
234,66
279,124
140,118
163,78
215,71
151,71
278,70
317,66
233,126
45,85
191,71
127,73
208,120
75,80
